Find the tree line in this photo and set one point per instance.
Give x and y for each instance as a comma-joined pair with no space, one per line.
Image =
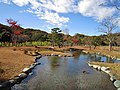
15,34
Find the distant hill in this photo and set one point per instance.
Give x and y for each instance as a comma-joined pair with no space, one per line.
25,34
30,34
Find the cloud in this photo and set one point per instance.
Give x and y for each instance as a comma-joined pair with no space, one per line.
5,1
60,6
94,8
21,2
52,18
48,10
52,10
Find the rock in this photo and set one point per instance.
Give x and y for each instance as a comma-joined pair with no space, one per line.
26,70
98,53
38,57
118,89
117,83
28,52
13,82
32,66
118,58
95,66
111,75
52,54
113,78
22,75
85,72
59,55
17,79
0,86
90,65
34,53
99,68
30,73
37,63
107,71
105,68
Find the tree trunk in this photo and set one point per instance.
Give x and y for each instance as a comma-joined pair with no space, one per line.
110,46
90,47
95,47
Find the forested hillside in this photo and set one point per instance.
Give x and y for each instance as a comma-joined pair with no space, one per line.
56,37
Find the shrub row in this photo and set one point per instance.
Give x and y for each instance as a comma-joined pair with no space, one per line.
27,44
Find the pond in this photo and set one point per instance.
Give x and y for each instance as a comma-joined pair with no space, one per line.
67,73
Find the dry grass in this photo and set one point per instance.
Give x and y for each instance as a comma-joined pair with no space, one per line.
54,52
105,51
115,67
12,62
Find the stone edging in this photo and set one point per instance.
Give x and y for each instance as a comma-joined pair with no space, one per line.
108,71
17,79
99,53
59,55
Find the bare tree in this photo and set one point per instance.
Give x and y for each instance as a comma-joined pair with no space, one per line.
108,26
112,3
117,4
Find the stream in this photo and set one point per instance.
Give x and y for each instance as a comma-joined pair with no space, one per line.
67,73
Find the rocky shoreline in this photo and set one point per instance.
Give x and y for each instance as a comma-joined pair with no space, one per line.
26,71
17,79
107,70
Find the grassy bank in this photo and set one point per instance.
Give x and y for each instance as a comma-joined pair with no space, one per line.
54,53
105,51
12,62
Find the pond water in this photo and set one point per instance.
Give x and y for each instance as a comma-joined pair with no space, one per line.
67,73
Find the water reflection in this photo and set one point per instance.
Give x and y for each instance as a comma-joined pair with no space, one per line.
98,58
54,61
76,54
66,73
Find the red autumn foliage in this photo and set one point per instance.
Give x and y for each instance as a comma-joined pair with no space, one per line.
75,40
0,26
17,32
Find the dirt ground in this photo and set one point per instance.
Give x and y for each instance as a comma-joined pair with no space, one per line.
12,62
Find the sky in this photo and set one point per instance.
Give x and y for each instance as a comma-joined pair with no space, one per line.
71,16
